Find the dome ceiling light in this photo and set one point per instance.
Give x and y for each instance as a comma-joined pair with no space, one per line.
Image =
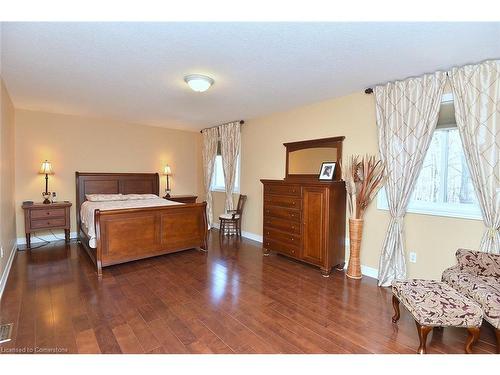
198,82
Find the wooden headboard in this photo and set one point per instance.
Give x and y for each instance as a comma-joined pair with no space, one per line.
114,183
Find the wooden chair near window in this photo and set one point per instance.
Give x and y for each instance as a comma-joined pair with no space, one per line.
230,222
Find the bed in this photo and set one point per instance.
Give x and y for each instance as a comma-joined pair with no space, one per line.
127,231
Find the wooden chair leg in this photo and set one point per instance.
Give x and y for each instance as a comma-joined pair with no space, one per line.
497,332
471,339
395,305
423,331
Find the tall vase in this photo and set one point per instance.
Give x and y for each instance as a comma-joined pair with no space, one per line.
355,237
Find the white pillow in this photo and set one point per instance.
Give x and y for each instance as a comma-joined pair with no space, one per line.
135,197
105,197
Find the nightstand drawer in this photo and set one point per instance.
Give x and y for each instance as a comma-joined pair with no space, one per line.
49,213
48,223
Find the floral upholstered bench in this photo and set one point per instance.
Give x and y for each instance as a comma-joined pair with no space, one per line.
436,304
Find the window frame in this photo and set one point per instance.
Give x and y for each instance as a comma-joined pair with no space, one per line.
222,188
453,210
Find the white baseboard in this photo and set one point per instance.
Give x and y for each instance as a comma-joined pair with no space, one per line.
249,235
252,236
45,238
6,271
369,271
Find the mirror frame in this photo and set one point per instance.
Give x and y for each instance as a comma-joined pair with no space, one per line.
332,142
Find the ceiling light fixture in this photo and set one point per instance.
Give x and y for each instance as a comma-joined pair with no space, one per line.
198,82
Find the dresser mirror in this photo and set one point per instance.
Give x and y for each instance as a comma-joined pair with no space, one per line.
304,158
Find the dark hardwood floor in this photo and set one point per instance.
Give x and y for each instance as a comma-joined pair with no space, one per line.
230,300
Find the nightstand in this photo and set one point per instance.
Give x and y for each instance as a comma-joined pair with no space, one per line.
183,198
39,216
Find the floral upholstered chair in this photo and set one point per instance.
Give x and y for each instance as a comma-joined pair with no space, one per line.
477,276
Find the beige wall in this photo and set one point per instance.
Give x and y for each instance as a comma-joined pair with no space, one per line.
7,188
74,143
68,142
433,238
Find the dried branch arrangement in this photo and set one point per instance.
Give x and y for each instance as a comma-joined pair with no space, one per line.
363,177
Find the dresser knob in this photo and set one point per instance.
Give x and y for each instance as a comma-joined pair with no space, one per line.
267,232
48,213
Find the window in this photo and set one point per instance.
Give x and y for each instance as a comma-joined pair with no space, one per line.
218,177
444,186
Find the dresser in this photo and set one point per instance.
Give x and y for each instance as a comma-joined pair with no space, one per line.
306,221
304,217
39,217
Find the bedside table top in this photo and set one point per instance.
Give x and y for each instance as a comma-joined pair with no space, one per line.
48,206
183,196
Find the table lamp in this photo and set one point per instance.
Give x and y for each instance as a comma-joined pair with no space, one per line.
167,171
46,169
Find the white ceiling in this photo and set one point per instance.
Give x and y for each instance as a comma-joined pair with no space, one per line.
134,71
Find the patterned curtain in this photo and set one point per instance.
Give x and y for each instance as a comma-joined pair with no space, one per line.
476,94
209,153
230,140
407,113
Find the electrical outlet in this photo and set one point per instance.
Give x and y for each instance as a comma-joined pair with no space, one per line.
1,252
413,257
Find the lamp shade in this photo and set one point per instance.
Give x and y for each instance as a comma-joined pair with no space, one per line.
167,171
46,168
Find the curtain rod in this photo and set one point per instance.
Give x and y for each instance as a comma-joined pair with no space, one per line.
216,126
369,90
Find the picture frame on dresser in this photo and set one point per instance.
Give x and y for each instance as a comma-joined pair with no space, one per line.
327,171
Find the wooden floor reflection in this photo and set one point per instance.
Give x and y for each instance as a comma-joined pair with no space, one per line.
229,300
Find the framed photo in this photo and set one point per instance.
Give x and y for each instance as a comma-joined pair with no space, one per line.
327,170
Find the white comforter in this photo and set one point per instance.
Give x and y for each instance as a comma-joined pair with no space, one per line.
88,208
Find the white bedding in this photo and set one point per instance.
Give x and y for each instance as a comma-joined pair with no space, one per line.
88,208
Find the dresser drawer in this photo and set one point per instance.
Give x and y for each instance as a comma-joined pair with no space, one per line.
281,213
282,201
288,226
292,190
48,223
291,250
275,235
43,214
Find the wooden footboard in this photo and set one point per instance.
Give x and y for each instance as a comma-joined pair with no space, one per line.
130,234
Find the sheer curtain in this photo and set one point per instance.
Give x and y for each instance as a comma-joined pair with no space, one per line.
407,113
476,94
210,139
230,141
